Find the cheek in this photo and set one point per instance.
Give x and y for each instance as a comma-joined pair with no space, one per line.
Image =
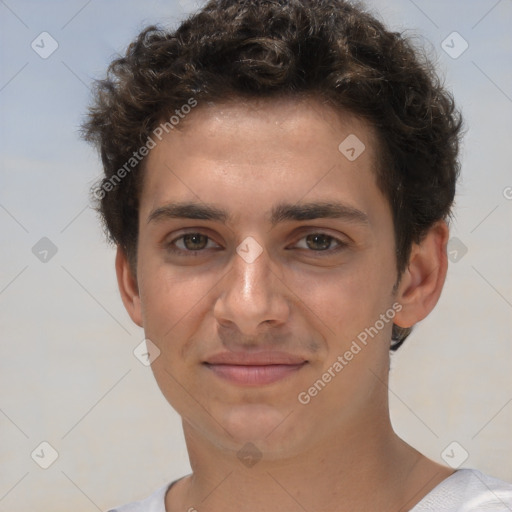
347,299
170,300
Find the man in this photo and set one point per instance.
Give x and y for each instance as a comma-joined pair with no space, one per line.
278,177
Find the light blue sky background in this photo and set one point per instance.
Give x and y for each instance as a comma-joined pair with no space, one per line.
67,372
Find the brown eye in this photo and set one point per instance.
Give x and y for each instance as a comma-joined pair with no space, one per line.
319,242
194,241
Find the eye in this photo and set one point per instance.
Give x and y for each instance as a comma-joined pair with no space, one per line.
319,242
191,242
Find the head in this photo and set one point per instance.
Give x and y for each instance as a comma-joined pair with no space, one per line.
271,114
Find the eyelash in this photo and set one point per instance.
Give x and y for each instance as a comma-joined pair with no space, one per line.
173,249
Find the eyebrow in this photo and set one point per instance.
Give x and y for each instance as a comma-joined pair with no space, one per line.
280,213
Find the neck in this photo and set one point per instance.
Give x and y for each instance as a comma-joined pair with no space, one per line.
367,467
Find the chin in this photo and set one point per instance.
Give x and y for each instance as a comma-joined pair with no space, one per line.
267,427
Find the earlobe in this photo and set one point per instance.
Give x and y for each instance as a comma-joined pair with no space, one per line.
128,287
423,280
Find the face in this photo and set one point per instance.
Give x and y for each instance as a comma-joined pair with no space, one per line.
261,239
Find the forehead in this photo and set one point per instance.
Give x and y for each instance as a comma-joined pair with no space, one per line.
262,151
252,121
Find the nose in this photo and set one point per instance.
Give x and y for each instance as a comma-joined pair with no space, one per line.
252,297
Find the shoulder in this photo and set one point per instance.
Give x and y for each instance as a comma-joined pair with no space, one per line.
468,490
153,503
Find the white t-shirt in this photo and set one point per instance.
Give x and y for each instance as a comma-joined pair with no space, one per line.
466,490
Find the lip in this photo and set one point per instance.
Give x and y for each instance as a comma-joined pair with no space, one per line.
254,369
262,358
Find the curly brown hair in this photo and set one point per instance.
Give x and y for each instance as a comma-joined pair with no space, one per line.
330,50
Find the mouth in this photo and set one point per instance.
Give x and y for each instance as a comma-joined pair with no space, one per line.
254,369
254,375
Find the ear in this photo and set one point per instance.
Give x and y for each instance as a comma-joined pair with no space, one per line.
127,283
423,280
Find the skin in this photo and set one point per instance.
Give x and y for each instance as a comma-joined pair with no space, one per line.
339,451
